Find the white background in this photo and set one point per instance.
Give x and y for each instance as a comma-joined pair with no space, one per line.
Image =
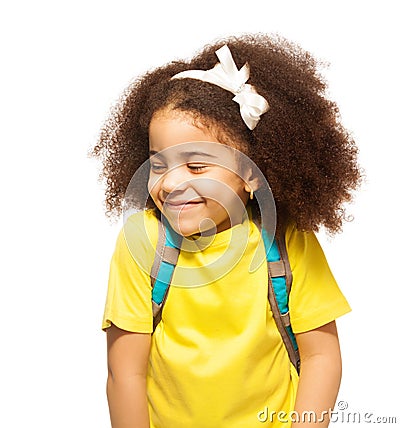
63,65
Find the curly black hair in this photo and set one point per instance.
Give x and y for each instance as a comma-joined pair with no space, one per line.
307,156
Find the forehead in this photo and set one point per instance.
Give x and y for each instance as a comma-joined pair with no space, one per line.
168,129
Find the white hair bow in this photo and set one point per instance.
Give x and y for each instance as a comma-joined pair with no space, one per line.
226,75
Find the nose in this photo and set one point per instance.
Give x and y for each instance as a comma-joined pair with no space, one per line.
174,180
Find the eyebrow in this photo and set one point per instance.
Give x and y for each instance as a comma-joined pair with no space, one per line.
188,154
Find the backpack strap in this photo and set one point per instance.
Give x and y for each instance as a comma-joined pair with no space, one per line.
166,257
279,285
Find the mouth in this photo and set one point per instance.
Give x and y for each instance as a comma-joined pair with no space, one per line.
181,205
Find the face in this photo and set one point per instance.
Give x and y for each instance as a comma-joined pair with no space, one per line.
192,176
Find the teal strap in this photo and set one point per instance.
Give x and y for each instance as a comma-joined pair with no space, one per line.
166,269
292,337
278,283
162,281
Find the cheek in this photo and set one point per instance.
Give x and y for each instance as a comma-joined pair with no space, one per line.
153,187
229,185
211,188
154,182
227,191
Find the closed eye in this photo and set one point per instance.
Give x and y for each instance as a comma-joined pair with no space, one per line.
157,167
197,167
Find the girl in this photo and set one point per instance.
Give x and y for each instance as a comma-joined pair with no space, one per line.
216,358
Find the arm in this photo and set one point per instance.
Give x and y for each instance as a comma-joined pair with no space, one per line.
128,355
320,374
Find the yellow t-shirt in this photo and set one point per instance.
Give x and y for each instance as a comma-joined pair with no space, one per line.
217,358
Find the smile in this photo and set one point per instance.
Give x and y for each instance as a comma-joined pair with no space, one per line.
181,205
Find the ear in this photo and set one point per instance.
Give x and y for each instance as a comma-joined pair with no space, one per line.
252,181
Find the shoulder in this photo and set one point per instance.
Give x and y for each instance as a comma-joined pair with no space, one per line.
303,247
142,226
137,239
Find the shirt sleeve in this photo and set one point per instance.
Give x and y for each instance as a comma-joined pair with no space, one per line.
128,303
315,298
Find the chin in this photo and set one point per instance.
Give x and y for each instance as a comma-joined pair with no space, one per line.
184,230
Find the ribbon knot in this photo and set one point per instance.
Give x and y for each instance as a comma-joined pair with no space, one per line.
226,75
239,89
